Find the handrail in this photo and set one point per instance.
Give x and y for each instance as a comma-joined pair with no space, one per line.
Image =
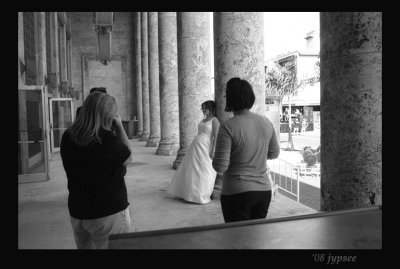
271,165
281,172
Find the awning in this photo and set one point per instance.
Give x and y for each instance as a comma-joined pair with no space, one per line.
307,96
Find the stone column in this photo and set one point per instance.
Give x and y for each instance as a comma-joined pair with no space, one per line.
351,110
145,77
169,104
138,75
239,52
154,93
194,80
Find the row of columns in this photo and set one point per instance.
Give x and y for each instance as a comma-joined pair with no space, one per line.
184,78
173,62
351,89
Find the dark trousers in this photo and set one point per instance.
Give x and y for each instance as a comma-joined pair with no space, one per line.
245,206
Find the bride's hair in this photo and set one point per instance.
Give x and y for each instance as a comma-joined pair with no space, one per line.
210,105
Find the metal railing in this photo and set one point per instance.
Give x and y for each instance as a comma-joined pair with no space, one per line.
309,171
285,176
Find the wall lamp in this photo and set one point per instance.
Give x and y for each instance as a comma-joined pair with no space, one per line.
103,27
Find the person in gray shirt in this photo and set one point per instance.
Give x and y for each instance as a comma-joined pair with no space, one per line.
244,143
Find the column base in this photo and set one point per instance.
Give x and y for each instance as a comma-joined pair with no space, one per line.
179,158
166,148
153,141
144,136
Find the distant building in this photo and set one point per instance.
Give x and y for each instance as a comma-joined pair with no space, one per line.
307,99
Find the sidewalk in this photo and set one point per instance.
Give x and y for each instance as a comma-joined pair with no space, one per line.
313,138
43,219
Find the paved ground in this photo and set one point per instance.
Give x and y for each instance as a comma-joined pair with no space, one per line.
310,138
43,220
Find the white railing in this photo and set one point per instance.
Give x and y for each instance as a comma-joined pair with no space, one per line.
310,174
287,176
283,172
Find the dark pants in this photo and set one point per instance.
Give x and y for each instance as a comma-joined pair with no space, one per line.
245,206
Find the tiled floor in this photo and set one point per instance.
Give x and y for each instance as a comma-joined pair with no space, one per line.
43,219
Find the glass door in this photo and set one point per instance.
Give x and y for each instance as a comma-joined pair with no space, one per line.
61,116
32,147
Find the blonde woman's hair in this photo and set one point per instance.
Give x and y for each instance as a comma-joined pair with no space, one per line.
97,112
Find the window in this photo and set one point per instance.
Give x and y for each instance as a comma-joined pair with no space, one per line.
48,43
60,51
30,48
69,55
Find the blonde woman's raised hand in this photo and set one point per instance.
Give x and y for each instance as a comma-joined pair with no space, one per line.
117,120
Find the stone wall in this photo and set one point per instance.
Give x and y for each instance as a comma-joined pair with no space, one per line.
116,76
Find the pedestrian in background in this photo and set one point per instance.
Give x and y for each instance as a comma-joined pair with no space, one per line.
96,89
95,151
295,126
303,125
244,143
286,115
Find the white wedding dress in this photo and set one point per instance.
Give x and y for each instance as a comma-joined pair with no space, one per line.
194,180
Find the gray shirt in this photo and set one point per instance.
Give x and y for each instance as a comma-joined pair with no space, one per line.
244,143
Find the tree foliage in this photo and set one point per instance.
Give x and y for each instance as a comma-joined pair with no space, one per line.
313,78
282,80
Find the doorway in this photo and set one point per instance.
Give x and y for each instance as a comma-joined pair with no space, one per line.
61,117
32,145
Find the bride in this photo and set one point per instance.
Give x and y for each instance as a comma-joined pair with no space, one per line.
194,180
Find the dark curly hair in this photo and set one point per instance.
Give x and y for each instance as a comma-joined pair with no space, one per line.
210,105
239,95
98,89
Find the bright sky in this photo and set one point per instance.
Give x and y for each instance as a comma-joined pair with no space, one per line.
285,31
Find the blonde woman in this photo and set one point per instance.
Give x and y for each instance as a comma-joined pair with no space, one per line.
95,150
